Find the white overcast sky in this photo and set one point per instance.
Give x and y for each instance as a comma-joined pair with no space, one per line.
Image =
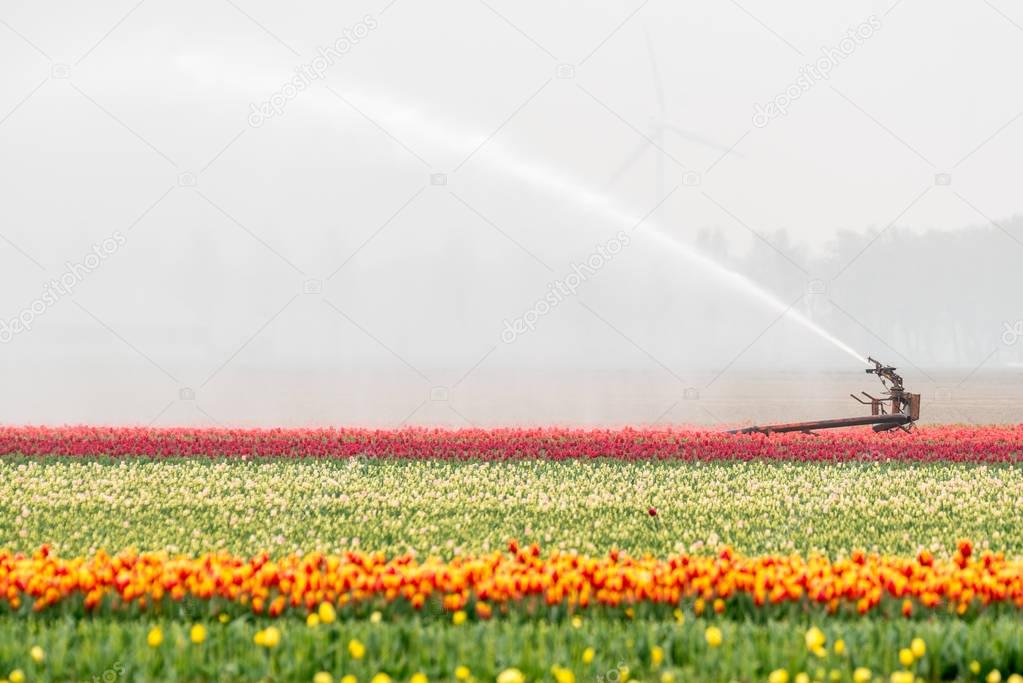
933,84
135,117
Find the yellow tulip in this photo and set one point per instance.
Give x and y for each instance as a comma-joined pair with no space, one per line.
327,613
778,676
815,639
656,655
154,638
356,649
271,636
419,678
462,673
562,675
713,636
862,675
197,634
918,647
323,677
506,676
588,655
459,617
906,657
37,654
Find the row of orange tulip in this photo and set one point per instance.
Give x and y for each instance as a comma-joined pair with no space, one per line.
499,580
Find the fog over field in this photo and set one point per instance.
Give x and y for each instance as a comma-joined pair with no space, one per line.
249,213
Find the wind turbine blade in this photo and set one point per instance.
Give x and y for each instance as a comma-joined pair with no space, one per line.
695,137
656,73
629,161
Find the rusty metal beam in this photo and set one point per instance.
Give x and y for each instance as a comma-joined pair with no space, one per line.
883,421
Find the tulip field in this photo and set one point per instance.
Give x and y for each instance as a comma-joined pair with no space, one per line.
360,556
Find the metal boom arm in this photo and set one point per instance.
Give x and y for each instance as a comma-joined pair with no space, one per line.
904,407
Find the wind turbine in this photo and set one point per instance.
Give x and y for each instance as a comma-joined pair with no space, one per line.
658,126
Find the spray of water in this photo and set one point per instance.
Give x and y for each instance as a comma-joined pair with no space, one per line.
506,161
545,178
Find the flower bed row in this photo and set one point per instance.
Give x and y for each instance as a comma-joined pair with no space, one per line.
989,444
448,508
481,585
577,650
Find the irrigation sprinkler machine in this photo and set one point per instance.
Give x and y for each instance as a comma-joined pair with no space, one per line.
897,409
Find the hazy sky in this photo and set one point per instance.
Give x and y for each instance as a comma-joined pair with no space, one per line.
417,174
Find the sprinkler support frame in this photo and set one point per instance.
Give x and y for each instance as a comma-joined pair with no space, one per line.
898,410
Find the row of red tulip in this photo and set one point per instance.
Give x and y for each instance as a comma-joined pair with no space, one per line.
991,444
